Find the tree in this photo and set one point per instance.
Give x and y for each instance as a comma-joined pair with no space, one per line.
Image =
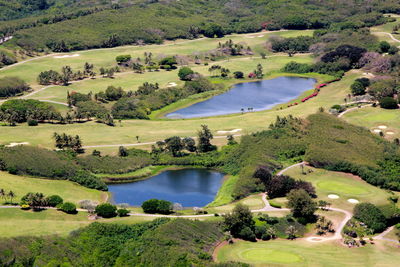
291,232
231,140
239,219
184,73
11,195
66,75
157,206
371,215
384,47
189,144
357,88
122,151
96,153
259,72
106,210
35,200
123,212
301,204
54,200
204,140
213,30
174,145
123,58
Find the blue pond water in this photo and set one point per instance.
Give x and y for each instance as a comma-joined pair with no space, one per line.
259,95
189,187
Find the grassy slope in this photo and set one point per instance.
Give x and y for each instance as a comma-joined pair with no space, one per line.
69,191
303,253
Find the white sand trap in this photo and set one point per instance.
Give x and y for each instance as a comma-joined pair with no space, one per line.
17,144
229,132
377,131
66,56
390,133
382,127
260,36
250,37
333,196
353,201
172,84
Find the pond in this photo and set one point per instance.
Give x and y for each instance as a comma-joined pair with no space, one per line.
260,95
189,187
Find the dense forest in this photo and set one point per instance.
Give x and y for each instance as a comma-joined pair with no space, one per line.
153,21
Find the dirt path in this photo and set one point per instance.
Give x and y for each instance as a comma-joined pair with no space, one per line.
390,35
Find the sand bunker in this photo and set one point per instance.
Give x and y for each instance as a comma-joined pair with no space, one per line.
333,196
390,133
353,201
377,131
260,36
17,144
229,132
66,56
382,127
172,84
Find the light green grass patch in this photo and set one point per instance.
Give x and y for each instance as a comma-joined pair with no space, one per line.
225,192
69,191
268,255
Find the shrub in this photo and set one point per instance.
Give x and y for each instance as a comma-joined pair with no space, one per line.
388,103
371,215
238,75
294,67
157,206
32,123
357,88
301,204
106,210
184,73
123,58
68,207
54,200
11,86
123,212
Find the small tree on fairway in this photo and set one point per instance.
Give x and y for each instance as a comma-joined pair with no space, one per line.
54,200
122,152
291,232
184,73
301,204
189,144
174,145
68,207
239,219
259,72
204,140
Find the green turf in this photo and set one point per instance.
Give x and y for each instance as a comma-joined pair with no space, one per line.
303,253
344,185
371,118
224,195
69,191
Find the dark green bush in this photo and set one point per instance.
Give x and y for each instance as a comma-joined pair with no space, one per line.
157,206
123,212
68,207
54,200
388,103
106,210
371,215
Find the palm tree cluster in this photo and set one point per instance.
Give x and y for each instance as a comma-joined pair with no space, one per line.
66,75
35,200
7,196
64,141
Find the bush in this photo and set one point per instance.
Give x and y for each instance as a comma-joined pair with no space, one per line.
184,73
123,58
157,206
106,210
371,215
238,75
33,123
123,212
388,103
294,67
54,200
68,207
357,88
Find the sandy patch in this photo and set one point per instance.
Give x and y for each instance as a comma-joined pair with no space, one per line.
382,127
260,36
250,37
172,84
17,144
333,196
377,131
229,132
66,56
390,133
353,201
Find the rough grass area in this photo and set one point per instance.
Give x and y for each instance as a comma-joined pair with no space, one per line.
303,253
69,191
225,192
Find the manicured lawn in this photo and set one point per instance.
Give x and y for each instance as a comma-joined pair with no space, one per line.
371,118
17,222
253,202
344,185
69,191
303,253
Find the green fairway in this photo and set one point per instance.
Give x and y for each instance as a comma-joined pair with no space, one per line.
303,253
344,185
268,255
372,118
17,222
69,191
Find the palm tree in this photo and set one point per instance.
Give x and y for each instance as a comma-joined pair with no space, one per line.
11,195
2,193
